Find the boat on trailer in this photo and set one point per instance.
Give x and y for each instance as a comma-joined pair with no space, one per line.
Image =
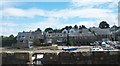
70,48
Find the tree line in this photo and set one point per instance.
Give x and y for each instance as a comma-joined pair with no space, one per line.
10,40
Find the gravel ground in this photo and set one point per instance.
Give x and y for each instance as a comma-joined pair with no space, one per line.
44,49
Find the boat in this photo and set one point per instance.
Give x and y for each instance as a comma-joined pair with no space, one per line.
69,48
96,48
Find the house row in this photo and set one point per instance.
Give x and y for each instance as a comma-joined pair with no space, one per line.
76,36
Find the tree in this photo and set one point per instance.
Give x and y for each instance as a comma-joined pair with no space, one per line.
72,42
80,27
103,25
57,30
38,42
70,27
38,29
83,26
62,29
75,27
11,36
68,44
66,27
8,41
48,29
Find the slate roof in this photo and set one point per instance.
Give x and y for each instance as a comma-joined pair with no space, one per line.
99,31
24,35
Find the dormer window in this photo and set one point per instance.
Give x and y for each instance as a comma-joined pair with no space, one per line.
71,31
23,36
65,32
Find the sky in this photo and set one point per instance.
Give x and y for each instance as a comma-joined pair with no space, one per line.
17,16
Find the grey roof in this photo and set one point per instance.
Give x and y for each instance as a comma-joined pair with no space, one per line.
24,35
73,34
81,34
85,31
38,35
56,35
29,35
99,31
118,30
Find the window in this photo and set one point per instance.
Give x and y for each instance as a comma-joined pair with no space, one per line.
71,31
30,37
48,35
21,40
64,32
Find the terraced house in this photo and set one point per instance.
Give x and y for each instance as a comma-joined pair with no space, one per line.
74,36
26,39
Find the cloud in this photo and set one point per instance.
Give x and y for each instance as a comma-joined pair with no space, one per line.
8,28
84,1
79,9
92,3
65,13
10,24
50,22
81,13
8,31
17,12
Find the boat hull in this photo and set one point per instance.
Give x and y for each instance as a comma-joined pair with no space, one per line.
70,49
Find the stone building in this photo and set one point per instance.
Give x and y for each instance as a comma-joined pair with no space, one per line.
83,36
75,36
117,34
54,38
25,39
101,33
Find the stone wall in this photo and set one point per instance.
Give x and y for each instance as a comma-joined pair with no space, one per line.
84,58
65,58
15,58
